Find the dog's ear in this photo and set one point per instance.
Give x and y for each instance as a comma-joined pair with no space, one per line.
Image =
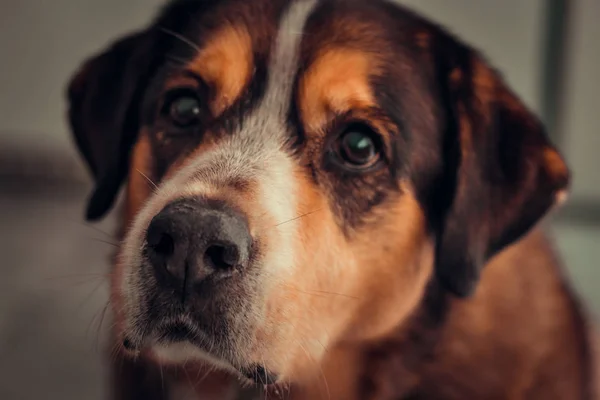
103,110
504,173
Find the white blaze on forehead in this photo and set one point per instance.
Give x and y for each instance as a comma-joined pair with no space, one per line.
266,128
284,57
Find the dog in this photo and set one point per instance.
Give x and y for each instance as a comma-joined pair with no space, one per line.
325,199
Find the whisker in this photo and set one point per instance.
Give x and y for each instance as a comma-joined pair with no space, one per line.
298,217
101,312
80,275
187,375
162,379
181,38
87,331
104,241
336,294
79,284
325,381
148,179
266,380
180,62
90,295
99,331
114,352
321,293
92,227
312,359
209,370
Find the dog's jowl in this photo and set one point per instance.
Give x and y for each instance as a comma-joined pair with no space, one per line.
329,199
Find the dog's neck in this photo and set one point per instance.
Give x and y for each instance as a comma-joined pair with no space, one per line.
387,368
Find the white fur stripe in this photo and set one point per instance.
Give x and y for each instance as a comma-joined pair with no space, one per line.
284,58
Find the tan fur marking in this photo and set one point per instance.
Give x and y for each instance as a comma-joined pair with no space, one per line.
336,82
555,165
456,76
423,39
485,82
139,187
225,62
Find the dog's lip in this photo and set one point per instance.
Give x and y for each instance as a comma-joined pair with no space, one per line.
177,332
163,333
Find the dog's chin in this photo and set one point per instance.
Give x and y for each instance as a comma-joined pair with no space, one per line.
178,345
181,353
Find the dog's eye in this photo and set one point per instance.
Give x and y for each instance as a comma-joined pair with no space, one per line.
358,146
183,109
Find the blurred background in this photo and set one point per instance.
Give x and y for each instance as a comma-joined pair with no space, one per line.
53,289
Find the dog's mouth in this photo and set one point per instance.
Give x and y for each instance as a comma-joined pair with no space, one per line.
165,334
185,332
177,332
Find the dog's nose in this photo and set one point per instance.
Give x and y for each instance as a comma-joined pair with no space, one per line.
193,239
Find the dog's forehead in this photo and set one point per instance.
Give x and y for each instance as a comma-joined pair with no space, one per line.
264,47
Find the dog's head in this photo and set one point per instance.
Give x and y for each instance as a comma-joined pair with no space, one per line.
297,172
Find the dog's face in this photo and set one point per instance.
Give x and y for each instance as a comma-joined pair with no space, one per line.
298,171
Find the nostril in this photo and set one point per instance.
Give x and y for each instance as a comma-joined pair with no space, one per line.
165,245
221,256
161,242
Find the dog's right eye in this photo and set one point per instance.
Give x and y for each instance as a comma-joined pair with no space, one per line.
358,147
183,108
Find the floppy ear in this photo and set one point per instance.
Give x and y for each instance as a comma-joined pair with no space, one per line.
103,98
507,173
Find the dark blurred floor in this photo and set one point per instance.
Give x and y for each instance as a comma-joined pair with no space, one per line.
53,290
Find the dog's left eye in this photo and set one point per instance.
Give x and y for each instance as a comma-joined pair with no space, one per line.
358,146
183,108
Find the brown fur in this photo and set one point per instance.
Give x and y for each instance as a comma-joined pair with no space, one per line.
521,286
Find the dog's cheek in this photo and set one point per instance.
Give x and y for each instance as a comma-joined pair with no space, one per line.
395,258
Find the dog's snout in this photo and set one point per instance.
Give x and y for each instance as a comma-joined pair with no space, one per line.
193,239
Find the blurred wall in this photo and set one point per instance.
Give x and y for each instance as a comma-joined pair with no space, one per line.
507,32
41,45
581,129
